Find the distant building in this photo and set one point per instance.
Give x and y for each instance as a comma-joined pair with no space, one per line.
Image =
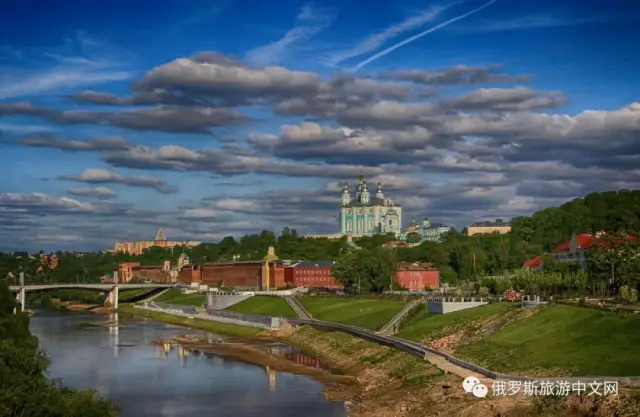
138,246
534,264
154,273
125,271
367,215
417,276
574,249
310,274
330,236
498,226
249,275
399,244
426,230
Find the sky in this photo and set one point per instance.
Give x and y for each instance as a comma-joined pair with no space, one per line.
227,117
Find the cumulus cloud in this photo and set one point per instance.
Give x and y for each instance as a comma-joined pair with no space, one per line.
103,176
173,119
93,144
484,152
457,75
102,193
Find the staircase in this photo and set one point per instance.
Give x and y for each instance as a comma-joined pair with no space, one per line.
392,327
297,308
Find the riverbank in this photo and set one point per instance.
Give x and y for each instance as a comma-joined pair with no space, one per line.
210,326
253,355
386,382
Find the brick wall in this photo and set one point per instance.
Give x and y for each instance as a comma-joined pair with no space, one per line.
154,273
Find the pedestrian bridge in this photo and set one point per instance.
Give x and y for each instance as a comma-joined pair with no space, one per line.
101,287
110,289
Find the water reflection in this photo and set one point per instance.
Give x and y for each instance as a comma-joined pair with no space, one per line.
122,362
271,374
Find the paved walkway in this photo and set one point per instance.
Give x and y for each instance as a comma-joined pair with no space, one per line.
452,368
297,308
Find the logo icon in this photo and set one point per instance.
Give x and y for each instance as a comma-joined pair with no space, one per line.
471,384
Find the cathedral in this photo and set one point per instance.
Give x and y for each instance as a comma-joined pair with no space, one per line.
367,215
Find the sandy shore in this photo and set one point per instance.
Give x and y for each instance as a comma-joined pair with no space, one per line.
244,353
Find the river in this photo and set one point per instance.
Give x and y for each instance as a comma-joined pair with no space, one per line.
150,379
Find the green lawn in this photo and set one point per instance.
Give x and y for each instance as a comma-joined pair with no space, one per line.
175,296
211,326
126,295
562,340
363,312
433,326
264,305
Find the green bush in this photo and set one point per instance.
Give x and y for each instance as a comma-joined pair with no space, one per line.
25,389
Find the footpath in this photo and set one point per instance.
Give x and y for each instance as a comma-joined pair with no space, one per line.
443,361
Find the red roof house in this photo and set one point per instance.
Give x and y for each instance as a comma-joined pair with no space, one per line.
533,264
574,248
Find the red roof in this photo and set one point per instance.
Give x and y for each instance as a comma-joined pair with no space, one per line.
585,240
533,263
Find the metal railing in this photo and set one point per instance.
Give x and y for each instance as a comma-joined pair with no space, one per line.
413,348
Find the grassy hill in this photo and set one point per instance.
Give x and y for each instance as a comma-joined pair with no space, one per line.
369,313
264,305
175,296
551,341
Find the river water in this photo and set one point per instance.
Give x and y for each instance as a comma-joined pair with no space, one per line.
150,379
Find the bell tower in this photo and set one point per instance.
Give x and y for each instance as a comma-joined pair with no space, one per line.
364,195
379,193
346,196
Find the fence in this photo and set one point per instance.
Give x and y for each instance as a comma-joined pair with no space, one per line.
412,348
270,322
192,312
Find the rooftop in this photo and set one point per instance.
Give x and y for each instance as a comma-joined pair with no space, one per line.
585,240
496,223
415,266
373,201
313,264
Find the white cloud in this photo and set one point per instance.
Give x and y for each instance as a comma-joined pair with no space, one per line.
375,40
309,22
81,61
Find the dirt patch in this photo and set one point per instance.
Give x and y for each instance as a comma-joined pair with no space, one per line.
395,384
471,332
75,306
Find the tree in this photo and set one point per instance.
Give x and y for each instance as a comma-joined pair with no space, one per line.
25,389
413,237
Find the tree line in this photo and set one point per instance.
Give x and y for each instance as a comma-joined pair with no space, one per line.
458,257
25,389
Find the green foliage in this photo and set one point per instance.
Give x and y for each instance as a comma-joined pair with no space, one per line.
624,293
25,389
365,270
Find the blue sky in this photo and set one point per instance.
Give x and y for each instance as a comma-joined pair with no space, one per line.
212,118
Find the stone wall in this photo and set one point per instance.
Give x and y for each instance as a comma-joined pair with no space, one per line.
220,301
449,305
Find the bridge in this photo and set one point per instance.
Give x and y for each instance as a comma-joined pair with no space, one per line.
110,289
